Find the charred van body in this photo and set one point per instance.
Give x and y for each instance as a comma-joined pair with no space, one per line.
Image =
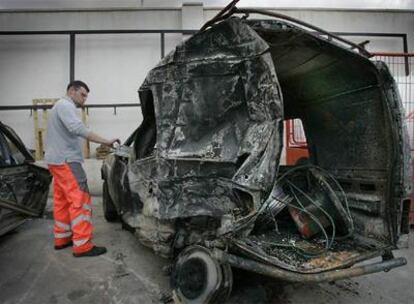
200,179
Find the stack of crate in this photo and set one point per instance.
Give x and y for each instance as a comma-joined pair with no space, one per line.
40,124
102,151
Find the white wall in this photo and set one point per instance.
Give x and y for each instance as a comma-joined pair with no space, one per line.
30,67
354,4
115,65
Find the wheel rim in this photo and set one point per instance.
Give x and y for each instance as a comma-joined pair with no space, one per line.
198,277
192,278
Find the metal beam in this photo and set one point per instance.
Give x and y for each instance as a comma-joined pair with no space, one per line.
162,45
72,34
94,32
279,273
72,46
88,106
407,65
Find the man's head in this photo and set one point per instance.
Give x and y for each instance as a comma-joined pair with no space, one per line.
78,91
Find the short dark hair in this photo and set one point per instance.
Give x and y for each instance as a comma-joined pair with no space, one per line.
77,84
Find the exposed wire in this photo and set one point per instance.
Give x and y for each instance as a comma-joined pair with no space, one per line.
325,180
319,207
351,227
325,174
315,219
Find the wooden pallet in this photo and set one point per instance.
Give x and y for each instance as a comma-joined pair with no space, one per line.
102,151
40,126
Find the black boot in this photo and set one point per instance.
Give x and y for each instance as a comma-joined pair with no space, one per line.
59,247
95,251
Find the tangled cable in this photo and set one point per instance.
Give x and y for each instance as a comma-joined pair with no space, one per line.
328,185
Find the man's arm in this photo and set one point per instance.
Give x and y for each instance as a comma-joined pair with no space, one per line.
100,140
72,122
70,119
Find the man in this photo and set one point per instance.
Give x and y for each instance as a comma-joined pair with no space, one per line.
72,209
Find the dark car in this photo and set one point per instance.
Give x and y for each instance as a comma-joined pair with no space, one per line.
24,186
200,179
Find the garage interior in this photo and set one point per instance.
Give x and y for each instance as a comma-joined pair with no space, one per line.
112,45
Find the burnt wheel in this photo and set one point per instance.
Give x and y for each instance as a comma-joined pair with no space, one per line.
197,277
109,210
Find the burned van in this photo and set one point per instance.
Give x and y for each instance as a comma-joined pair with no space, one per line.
200,180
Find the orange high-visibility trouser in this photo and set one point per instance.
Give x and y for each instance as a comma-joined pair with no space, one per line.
72,209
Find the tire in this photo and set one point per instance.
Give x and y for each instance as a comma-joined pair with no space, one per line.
109,210
199,278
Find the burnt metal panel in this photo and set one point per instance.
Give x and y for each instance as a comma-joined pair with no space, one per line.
216,99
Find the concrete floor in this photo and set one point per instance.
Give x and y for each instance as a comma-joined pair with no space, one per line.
31,271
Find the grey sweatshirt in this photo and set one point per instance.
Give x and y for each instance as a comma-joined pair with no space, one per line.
64,129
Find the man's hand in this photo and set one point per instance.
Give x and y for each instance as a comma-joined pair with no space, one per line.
112,142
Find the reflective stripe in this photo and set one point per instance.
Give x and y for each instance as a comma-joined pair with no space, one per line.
87,207
81,218
80,242
62,225
63,235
